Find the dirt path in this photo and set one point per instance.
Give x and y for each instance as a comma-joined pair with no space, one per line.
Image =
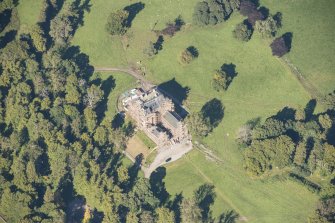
3,219
144,82
307,85
132,72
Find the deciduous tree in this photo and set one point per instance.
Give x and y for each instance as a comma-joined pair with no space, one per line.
116,22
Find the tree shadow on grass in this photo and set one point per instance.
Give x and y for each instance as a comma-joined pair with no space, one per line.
5,18
254,122
193,50
159,43
204,197
213,110
285,114
278,18
309,109
133,172
158,186
229,217
107,86
288,40
50,12
265,11
173,88
118,121
80,7
133,10
331,132
175,207
178,92
309,147
230,70
7,38
81,59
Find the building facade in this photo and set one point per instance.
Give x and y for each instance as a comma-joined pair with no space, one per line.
155,114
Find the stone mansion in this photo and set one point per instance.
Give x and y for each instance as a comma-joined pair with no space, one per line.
155,114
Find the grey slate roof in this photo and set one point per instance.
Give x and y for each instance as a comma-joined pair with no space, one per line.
172,118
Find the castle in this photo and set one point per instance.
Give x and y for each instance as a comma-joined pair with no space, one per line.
155,114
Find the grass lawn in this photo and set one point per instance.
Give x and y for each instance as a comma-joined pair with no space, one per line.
113,85
29,12
313,47
135,147
151,157
261,88
146,140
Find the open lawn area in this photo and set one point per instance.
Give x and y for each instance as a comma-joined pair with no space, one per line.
261,88
313,47
136,147
29,12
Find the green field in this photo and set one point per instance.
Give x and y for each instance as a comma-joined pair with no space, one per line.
115,84
312,25
146,140
29,12
261,88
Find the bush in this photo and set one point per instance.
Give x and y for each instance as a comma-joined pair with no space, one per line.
220,81
249,9
267,28
279,47
211,12
301,180
117,22
173,27
150,51
189,54
242,32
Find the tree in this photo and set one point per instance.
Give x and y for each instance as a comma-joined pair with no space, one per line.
190,211
198,125
147,217
73,95
117,22
300,154
211,12
150,51
39,41
325,212
61,28
91,119
132,218
15,205
201,13
279,47
300,114
244,135
204,197
325,121
221,80
100,135
262,155
87,215
329,157
242,32
267,28
93,96
247,7
122,174
189,54
164,215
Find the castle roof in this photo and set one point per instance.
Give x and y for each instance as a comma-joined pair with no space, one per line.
172,118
